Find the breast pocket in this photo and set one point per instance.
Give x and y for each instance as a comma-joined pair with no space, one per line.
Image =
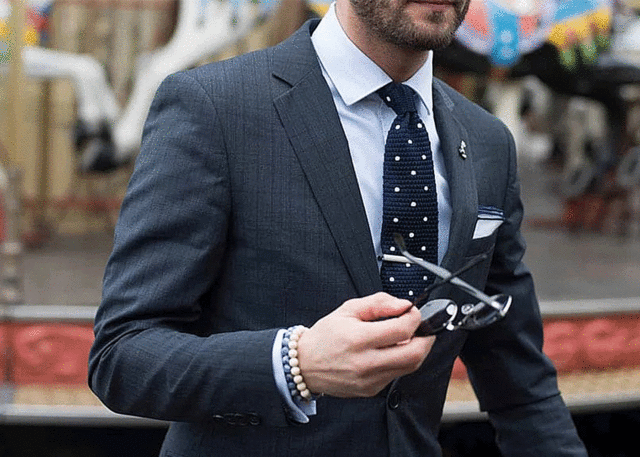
478,255
479,246
486,227
485,232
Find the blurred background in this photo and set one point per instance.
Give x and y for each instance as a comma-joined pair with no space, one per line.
76,81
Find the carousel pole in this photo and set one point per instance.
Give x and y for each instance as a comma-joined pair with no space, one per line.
11,179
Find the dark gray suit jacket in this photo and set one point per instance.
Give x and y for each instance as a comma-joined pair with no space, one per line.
244,216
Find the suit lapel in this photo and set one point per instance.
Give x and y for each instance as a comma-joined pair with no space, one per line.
309,117
457,150
312,124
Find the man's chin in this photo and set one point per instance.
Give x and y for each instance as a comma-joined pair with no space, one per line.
433,31
423,41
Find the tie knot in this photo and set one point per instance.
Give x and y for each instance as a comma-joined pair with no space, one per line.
399,97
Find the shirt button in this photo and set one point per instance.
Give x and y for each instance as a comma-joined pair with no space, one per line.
393,401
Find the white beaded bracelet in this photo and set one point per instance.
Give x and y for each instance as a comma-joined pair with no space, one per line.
291,364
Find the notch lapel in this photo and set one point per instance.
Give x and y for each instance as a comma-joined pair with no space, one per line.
457,151
311,122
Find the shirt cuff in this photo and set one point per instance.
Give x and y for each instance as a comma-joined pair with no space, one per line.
299,410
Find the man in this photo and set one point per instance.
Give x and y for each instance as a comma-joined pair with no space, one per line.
257,205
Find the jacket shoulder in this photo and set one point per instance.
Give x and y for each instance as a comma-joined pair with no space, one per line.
258,72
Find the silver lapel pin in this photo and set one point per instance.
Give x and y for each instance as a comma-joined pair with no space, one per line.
463,149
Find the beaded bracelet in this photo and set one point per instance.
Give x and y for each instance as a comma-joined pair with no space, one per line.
291,365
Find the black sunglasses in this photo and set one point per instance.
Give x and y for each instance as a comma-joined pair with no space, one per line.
445,314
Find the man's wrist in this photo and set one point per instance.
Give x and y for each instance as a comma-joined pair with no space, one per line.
293,374
298,409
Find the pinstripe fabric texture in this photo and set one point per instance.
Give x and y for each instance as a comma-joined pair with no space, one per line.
410,202
244,216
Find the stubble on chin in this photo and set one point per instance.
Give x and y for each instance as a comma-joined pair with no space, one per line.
414,37
393,25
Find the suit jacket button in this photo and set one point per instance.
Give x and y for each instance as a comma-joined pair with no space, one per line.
242,419
231,418
254,419
393,401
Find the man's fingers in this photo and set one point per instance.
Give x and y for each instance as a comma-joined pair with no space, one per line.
401,358
380,320
376,307
391,331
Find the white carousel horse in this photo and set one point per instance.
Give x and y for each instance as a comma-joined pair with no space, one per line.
110,135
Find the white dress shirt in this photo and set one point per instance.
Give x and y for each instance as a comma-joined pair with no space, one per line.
354,79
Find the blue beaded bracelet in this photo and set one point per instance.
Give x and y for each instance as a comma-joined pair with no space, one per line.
295,382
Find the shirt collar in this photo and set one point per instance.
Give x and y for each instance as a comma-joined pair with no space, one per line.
354,75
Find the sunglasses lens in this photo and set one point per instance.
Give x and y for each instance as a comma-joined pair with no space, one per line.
437,315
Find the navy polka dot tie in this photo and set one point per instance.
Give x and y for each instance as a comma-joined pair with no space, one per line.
410,202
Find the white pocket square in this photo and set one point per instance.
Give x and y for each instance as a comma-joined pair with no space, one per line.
489,219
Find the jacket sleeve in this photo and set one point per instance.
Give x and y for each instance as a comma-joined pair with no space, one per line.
513,379
149,357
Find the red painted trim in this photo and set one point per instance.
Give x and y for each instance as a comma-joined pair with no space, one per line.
46,353
57,353
601,343
3,354
588,344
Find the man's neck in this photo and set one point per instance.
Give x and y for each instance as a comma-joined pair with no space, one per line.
399,63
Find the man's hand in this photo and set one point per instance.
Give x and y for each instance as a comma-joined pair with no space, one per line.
362,346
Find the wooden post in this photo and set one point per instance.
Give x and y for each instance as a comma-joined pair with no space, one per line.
124,51
43,169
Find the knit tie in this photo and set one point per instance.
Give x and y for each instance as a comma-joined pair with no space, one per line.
410,202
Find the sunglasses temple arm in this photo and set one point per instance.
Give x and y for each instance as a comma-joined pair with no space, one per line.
450,277
444,273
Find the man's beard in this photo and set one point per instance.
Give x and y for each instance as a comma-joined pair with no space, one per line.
394,26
